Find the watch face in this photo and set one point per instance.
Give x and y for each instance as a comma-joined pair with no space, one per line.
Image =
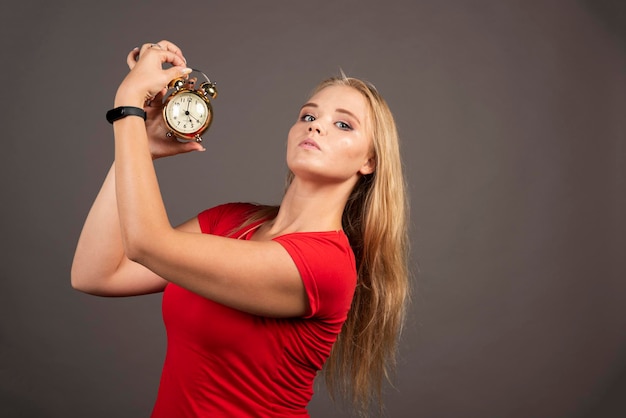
187,113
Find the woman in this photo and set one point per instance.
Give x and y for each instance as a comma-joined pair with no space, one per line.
255,298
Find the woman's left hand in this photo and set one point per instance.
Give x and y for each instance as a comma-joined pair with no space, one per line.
162,145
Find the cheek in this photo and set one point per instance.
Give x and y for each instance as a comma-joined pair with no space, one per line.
292,140
356,148
292,133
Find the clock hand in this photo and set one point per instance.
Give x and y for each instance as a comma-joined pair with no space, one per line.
189,115
192,116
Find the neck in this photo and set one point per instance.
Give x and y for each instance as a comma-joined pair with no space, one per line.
310,207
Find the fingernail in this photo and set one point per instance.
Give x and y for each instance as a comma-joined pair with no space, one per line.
186,70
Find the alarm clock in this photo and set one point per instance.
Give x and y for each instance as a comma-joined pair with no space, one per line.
187,110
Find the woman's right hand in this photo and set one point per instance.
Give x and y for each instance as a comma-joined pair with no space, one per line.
161,145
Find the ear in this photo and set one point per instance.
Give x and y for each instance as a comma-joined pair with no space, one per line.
369,166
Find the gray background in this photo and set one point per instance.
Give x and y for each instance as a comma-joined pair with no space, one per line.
512,117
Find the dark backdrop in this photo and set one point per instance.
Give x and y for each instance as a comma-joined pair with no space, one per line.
512,117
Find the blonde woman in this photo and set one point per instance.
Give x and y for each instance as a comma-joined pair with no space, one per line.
258,299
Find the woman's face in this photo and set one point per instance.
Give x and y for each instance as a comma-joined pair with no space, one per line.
331,140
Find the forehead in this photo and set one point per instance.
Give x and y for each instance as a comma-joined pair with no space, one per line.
342,97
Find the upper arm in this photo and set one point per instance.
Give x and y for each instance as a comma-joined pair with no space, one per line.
133,279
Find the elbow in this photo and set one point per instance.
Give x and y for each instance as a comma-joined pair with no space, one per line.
78,280
86,279
76,285
141,239
135,254
136,247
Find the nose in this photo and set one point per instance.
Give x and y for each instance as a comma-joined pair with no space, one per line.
315,126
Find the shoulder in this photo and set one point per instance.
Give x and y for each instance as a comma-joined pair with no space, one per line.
328,270
222,219
330,244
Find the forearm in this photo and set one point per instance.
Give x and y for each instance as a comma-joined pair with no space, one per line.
142,215
99,250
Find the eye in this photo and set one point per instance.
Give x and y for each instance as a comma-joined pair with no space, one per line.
344,126
307,118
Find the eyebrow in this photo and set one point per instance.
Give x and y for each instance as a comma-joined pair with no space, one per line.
339,110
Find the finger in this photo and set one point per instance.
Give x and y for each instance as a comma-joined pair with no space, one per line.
193,146
170,46
142,50
175,72
132,57
159,96
173,58
165,55
183,147
145,48
165,46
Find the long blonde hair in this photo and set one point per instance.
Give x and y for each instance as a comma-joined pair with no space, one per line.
375,221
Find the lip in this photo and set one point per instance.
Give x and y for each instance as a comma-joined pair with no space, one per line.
309,144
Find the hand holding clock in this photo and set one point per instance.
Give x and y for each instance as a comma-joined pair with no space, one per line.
147,77
145,85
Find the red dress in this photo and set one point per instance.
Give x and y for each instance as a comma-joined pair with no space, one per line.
222,362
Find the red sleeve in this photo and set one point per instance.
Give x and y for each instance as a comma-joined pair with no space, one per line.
324,260
328,270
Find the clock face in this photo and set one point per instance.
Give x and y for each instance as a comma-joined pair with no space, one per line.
187,113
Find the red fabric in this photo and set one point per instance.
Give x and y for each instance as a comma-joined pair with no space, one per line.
222,362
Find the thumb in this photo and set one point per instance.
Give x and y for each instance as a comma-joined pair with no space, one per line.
178,71
192,146
131,58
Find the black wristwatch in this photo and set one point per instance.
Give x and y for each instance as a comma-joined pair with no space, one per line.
123,111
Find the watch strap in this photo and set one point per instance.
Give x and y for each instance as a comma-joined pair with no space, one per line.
123,111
